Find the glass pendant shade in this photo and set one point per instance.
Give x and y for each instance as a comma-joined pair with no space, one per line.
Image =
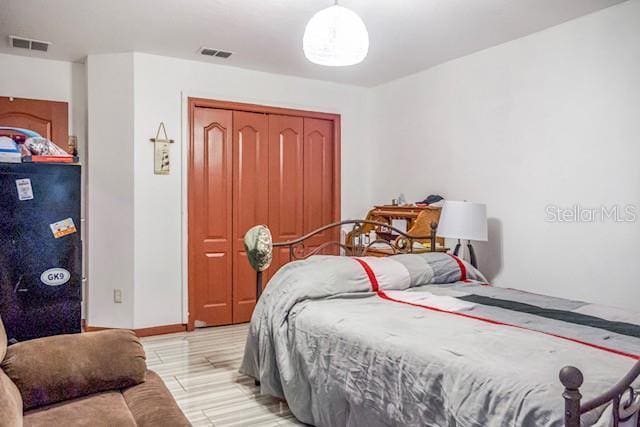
335,36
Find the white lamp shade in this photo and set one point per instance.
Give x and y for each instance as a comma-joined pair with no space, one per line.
335,36
463,220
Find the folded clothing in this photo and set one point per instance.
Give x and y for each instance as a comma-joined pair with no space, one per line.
9,151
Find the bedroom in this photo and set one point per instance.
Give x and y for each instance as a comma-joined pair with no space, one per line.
529,108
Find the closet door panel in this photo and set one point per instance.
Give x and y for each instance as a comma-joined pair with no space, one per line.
250,202
286,183
210,217
319,182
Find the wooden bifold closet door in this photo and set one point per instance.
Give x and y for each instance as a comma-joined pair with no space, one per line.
211,216
250,202
248,168
286,184
319,182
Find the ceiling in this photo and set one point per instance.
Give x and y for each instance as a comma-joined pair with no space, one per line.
406,36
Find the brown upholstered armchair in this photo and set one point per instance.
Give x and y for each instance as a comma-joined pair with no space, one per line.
90,379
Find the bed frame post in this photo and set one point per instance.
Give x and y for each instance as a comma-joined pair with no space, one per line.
258,285
571,378
258,293
432,236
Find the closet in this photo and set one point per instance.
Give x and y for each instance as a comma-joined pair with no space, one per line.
253,165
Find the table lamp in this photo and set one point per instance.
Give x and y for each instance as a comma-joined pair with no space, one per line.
463,221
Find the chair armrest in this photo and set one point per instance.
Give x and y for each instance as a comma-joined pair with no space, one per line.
52,369
151,404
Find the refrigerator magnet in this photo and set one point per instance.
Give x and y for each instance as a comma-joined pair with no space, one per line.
55,276
63,228
25,191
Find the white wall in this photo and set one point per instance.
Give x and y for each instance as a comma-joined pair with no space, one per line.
138,227
162,86
28,77
111,189
36,78
552,118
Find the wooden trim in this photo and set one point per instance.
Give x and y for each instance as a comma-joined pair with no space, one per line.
190,209
337,171
160,330
193,103
145,332
255,108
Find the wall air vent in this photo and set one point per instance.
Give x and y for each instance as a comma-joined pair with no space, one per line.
215,52
23,43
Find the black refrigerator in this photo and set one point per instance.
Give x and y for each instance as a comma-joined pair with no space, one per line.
41,250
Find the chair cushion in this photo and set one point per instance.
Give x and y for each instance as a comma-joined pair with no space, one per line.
107,409
151,404
148,404
10,403
48,370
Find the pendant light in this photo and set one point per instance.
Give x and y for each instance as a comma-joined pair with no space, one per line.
336,37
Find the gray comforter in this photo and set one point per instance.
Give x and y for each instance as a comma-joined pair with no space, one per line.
427,349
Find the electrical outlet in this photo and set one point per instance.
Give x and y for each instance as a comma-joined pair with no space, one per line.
117,296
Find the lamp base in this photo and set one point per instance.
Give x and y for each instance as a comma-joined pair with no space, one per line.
456,251
469,255
472,255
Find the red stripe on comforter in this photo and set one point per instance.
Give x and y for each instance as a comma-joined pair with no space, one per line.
370,274
463,269
376,288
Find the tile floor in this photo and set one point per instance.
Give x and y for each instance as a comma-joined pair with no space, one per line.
201,370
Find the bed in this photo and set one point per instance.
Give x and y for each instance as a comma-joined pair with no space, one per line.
423,339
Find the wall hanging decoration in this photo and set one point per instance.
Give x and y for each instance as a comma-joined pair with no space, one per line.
161,162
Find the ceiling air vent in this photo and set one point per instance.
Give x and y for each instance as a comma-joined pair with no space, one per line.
215,52
208,52
22,43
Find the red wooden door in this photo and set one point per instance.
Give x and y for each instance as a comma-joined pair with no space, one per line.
286,183
49,118
250,202
319,182
248,168
210,217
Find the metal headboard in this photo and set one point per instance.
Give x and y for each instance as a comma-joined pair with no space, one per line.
624,399
403,244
